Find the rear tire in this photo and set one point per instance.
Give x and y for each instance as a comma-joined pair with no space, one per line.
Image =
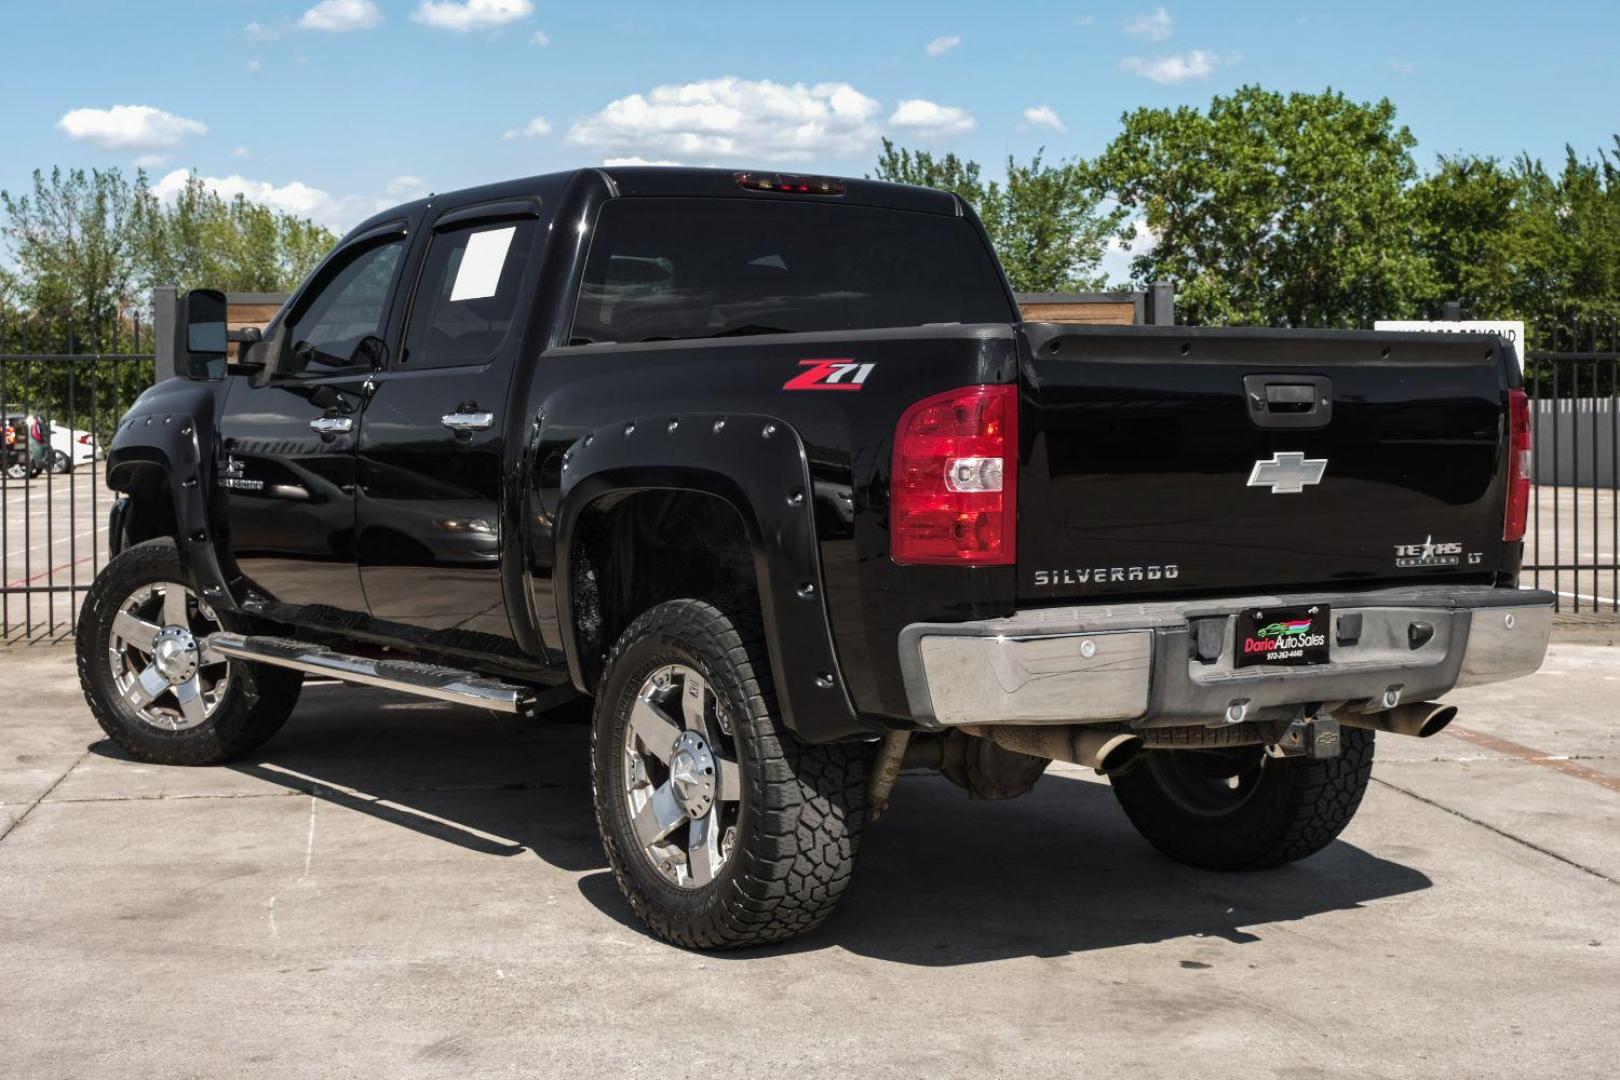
768,851
220,709
59,463
1238,809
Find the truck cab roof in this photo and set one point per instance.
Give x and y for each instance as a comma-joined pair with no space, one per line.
669,181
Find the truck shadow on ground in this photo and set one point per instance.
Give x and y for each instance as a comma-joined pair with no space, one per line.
942,880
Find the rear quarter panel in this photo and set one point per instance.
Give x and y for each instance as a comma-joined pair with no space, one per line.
848,441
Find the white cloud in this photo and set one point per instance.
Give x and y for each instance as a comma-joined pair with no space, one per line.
612,161
464,15
532,130
1084,20
338,213
254,65
733,119
257,31
540,38
240,151
129,127
927,118
341,16
406,187
1044,116
1401,67
150,161
942,45
1175,68
1155,27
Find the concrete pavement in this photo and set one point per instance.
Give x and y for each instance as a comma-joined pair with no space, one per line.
400,888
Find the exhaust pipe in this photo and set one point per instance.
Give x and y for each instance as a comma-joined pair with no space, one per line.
1421,718
1102,749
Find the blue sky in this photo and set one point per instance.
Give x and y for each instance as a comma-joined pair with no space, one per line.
339,107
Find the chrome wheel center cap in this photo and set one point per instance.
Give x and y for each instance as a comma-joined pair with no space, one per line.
174,654
691,774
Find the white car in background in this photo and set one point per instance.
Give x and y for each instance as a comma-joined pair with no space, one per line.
70,448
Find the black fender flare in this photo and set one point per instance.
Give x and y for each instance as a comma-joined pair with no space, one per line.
758,466
174,442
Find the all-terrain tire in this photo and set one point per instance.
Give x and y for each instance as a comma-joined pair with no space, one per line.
1288,808
255,706
802,809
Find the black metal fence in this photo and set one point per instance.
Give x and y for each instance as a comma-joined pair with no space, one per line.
61,396
1572,546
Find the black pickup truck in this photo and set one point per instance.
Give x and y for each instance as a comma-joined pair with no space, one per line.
770,467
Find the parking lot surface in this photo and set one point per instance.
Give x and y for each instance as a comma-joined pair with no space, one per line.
400,888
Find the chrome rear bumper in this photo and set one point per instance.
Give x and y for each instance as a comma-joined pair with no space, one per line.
1140,663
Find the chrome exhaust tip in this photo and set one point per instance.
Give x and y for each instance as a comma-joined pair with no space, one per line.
1420,719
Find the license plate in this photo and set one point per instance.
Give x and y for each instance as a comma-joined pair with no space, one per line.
1283,637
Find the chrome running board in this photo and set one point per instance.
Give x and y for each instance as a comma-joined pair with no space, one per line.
405,676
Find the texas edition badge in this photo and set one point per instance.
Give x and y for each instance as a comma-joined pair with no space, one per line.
1283,636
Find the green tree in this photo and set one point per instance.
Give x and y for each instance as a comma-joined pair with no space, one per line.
199,239
73,245
1564,246
1270,209
1043,220
1465,211
1519,241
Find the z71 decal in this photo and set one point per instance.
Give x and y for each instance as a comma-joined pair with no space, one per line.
843,374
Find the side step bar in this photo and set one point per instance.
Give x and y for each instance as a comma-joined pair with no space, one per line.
406,676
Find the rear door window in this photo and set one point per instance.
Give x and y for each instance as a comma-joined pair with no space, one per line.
674,269
467,296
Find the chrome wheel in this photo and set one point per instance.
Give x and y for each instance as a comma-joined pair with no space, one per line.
159,663
682,784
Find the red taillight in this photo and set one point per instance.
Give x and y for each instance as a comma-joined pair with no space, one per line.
953,495
84,439
1519,465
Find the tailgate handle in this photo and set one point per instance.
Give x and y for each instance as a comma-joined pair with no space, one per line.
1288,401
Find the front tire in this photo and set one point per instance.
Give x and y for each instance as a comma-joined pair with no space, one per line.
722,829
1237,808
149,678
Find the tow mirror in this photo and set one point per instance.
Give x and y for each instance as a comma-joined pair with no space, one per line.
203,316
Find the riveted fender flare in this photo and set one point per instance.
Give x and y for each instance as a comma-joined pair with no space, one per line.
174,442
758,466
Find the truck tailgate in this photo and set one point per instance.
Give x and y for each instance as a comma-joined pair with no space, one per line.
1188,461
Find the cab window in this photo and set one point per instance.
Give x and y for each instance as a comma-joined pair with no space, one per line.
672,269
348,304
467,297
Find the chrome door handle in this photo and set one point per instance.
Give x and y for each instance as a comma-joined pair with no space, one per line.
468,421
332,425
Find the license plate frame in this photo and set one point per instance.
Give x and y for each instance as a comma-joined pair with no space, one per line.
1283,636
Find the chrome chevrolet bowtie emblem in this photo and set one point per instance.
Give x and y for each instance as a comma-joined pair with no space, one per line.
1287,474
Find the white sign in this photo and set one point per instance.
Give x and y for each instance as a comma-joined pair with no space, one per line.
480,270
1511,332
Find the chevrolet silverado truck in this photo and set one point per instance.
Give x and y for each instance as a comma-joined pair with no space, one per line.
770,468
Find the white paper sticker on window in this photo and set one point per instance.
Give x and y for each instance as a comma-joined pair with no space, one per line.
480,269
